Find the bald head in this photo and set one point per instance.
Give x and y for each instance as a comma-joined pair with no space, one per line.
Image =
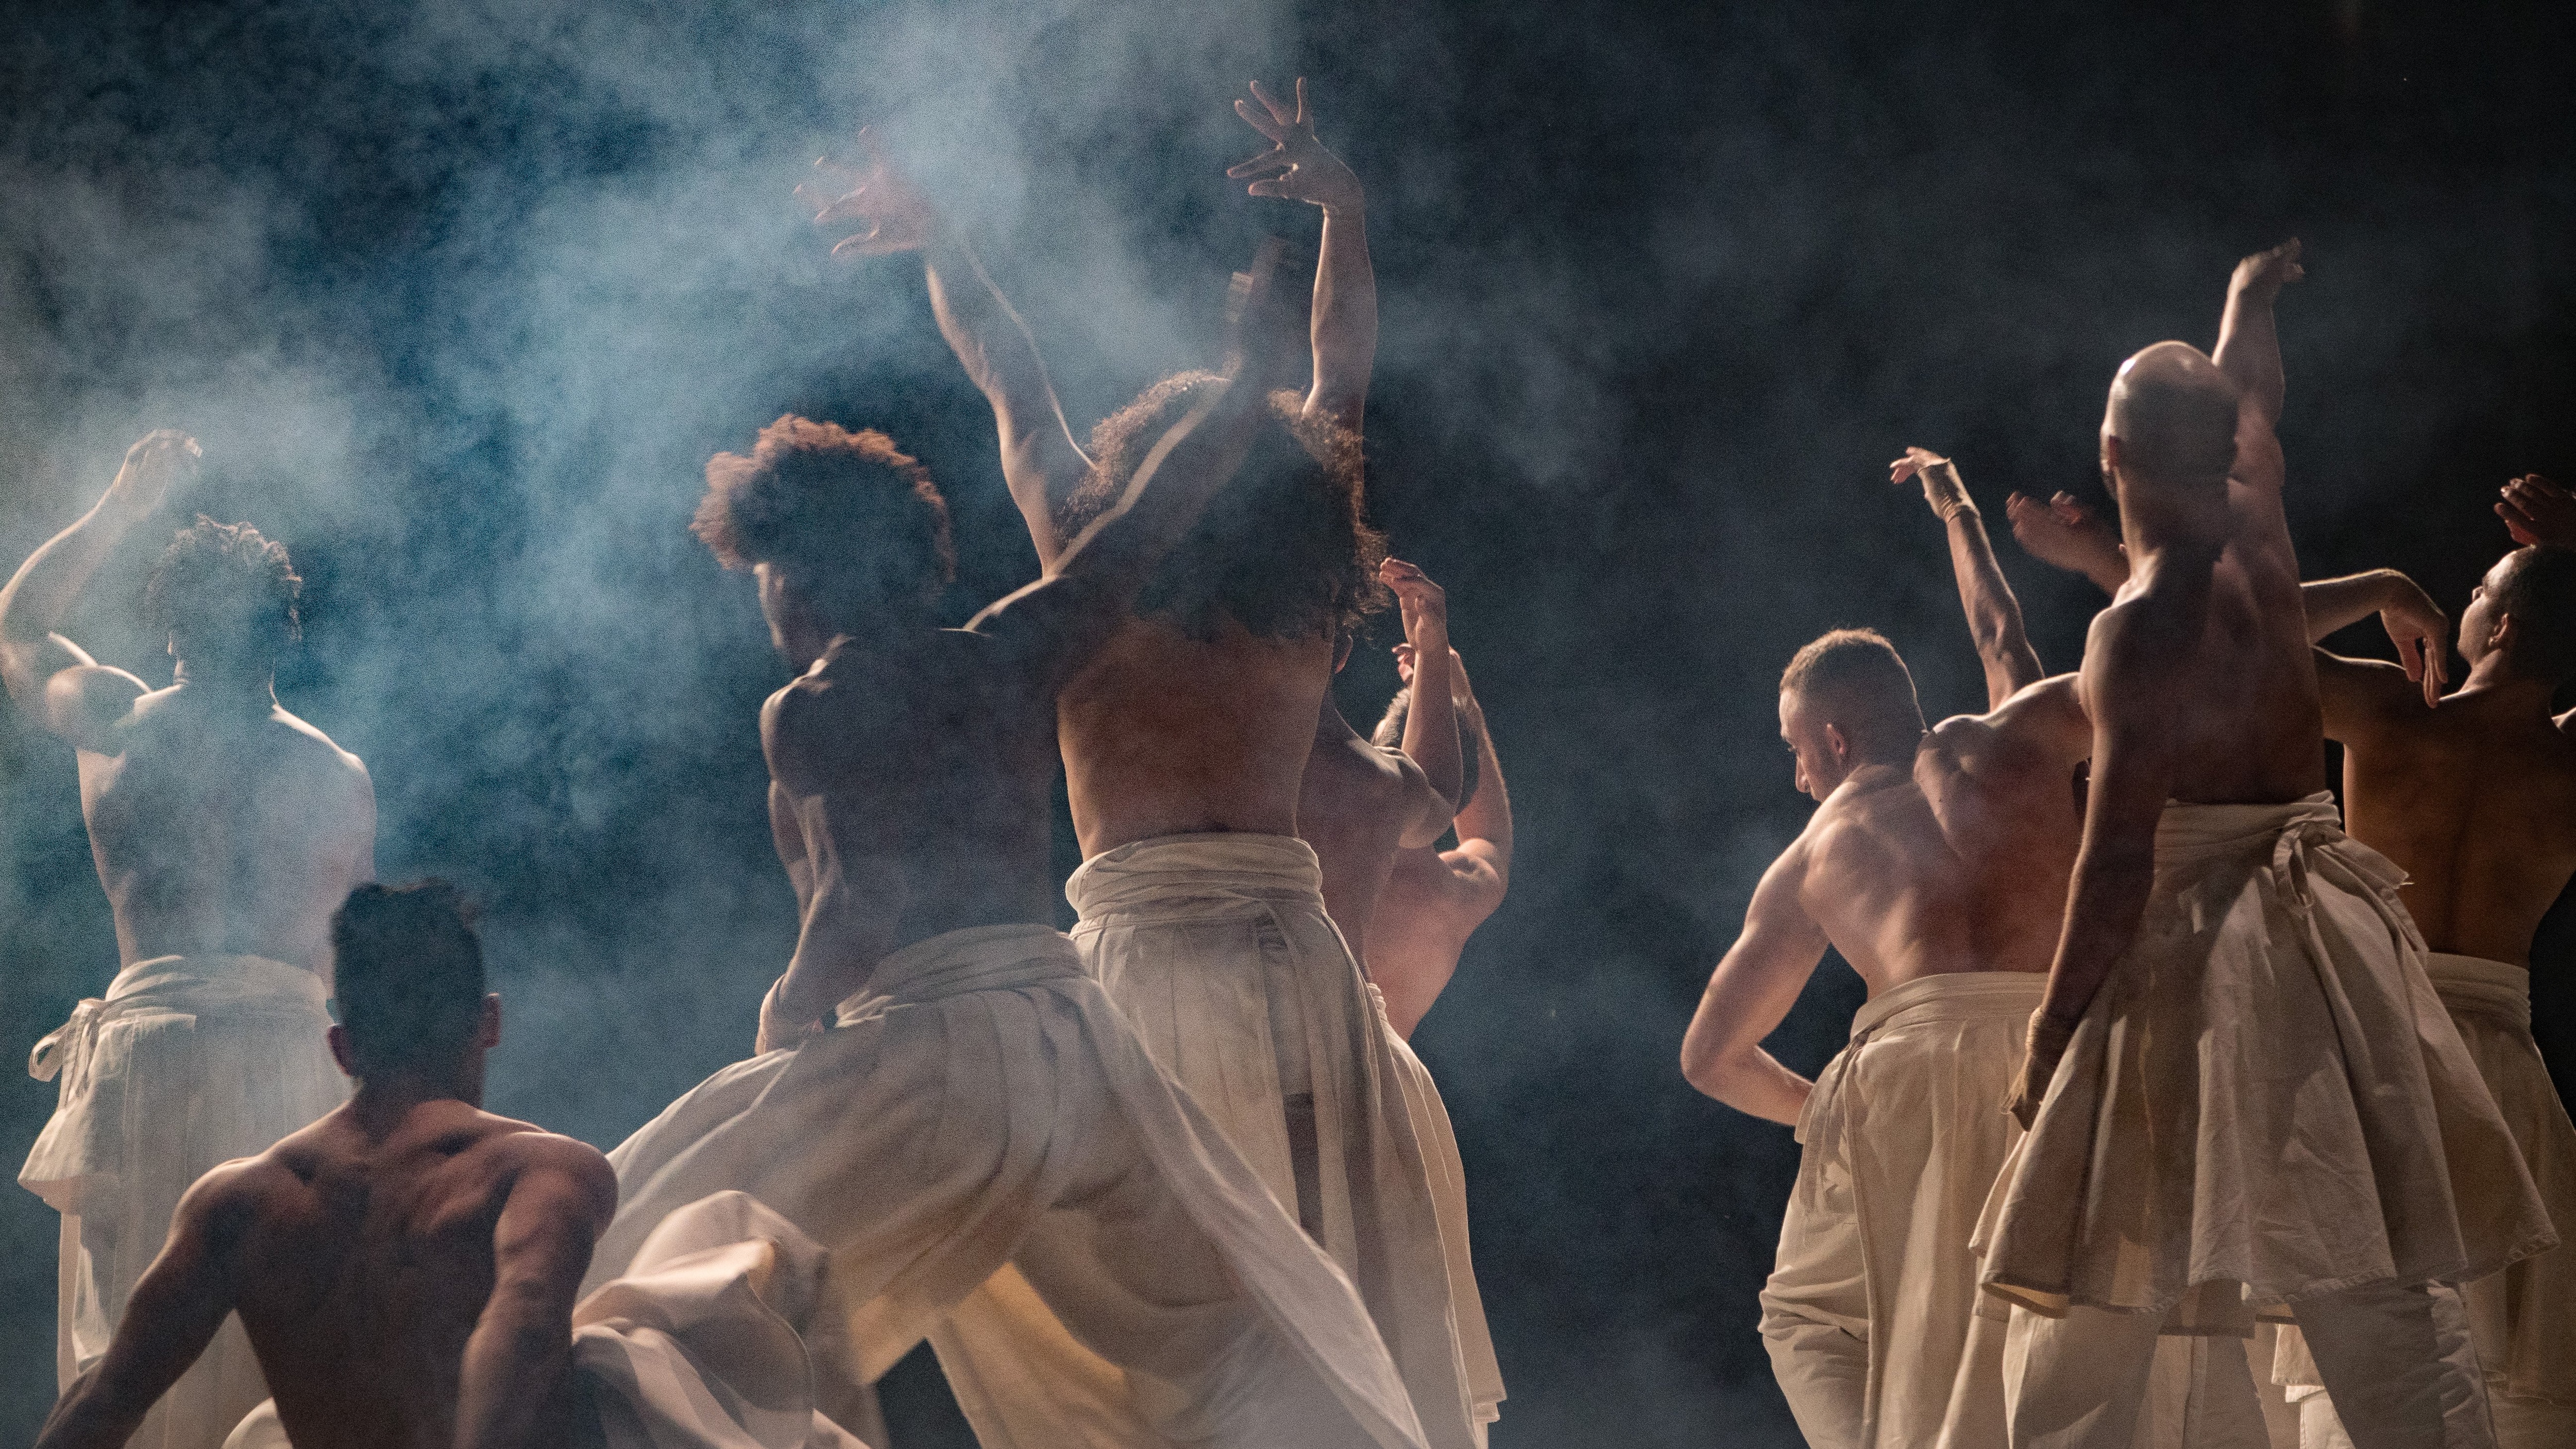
2174,415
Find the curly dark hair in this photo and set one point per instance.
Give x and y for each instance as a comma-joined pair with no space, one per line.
407,974
223,592
1285,550
853,521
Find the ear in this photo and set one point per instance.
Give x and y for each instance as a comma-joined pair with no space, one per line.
2501,634
338,1037
490,1035
1841,743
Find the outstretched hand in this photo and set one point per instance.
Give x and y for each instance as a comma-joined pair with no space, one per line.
1423,604
2418,627
2262,276
2063,533
2537,511
159,461
1296,167
892,214
1941,486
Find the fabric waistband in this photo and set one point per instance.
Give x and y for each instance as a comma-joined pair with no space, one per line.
2476,986
2196,828
1185,874
952,963
1953,996
220,986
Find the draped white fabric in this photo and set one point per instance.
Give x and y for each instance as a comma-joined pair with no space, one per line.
990,1159
186,1062
1217,947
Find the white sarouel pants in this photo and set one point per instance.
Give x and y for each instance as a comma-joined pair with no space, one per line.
991,1160
2523,1320
2264,1106
185,1063
1217,947
699,1346
1870,1313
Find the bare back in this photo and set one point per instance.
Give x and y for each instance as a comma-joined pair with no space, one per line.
367,1262
1352,807
2476,801
220,829
2238,697
1883,883
1167,735
924,765
2007,804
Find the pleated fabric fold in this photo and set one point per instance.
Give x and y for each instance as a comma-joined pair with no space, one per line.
991,1160
2265,1101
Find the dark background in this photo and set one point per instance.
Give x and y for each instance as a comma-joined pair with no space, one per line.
461,297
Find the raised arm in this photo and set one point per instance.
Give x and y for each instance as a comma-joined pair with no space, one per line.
2142,644
1344,329
1484,822
1040,460
49,676
1060,619
1431,723
1994,615
2536,510
2415,624
514,1387
2249,352
1750,994
2249,339
169,1319
2063,532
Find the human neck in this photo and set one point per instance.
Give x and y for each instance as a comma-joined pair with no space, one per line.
256,688
2493,677
381,1103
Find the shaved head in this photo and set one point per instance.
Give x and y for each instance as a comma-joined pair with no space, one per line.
2174,414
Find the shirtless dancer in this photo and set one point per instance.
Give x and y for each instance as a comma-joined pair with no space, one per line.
2237,1028
1435,899
1928,865
1185,740
406,1265
944,1099
1363,803
226,830
2473,795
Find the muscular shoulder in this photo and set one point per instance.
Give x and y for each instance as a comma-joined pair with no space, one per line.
233,1197
523,1154
86,705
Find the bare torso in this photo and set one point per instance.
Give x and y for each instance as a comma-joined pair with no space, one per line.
931,757
2239,702
1351,808
2476,801
2008,809
1165,735
225,828
1883,883
367,1261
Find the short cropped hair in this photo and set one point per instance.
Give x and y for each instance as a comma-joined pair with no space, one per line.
1285,549
851,520
2539,594
1858,675
407,975
223,592
1389,735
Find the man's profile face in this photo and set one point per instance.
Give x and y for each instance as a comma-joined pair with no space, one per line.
2478,620
1819,765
